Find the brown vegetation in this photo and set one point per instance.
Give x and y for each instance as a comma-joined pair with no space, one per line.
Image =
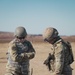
7,36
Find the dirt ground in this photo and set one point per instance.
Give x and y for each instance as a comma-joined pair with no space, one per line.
42,50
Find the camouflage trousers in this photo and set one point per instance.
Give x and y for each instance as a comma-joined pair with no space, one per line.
23,70
67,70
17,73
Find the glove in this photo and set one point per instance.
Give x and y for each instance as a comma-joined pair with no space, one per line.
46,62
24,55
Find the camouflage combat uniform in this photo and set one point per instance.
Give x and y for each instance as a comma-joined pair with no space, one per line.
18,57
60,63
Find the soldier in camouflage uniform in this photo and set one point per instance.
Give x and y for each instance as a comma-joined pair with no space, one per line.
59,63
20,51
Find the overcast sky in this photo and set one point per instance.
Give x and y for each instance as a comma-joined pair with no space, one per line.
36,15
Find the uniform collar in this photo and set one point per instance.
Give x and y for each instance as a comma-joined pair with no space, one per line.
58,41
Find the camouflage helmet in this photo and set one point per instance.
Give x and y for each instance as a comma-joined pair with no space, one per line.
20,32
50,33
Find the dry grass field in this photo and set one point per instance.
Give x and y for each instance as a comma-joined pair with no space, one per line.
42,50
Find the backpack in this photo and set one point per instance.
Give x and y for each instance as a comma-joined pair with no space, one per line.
70,56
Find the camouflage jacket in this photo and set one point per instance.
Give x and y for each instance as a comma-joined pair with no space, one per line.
59,50
19,53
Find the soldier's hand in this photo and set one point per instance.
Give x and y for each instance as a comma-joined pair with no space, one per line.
46,62
24,55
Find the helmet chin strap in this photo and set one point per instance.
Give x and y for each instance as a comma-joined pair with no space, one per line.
54,40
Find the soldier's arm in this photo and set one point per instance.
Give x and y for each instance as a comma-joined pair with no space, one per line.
14,53
59,59
31,52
